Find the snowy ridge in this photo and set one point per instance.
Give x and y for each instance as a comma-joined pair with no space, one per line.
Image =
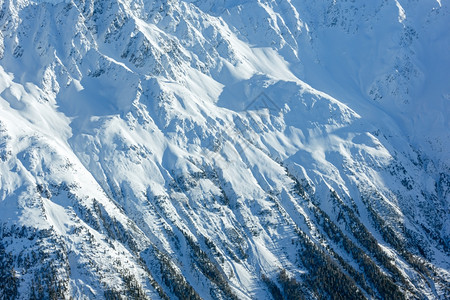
224,149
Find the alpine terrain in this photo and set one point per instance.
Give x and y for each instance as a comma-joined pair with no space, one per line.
212,149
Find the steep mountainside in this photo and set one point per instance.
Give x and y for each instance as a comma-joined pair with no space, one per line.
220,149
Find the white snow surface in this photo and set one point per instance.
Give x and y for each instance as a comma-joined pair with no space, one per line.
131,125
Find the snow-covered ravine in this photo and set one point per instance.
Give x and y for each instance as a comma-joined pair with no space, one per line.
220,149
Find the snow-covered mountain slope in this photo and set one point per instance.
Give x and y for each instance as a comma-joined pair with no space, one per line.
224,149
